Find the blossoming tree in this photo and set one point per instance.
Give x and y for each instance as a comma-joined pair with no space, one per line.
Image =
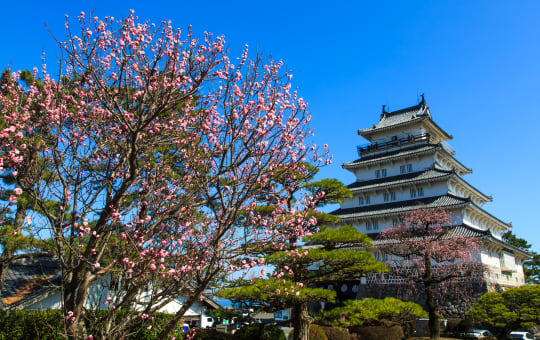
157,150
426,253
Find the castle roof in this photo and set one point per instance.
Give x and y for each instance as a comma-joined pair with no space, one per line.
413,177
464,230
406,116
414,150
447,201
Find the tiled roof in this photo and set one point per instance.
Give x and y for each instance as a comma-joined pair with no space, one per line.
409,114
466,231
412,150
27,279
461,230
447,201
418,176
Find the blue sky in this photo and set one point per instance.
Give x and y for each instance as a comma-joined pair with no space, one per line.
478,64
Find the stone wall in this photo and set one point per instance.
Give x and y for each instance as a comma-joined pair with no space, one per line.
453,304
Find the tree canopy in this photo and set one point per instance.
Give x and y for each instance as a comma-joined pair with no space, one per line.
512,309
151,156
329,256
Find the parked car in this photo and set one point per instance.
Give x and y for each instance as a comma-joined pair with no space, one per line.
479,334
520,335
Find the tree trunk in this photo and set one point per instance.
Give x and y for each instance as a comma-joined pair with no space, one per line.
301,321
433,322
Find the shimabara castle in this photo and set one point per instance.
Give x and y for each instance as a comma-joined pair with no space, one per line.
406,163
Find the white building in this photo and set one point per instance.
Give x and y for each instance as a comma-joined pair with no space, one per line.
406,163
35,284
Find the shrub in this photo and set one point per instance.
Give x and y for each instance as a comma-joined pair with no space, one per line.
316,333
259,332
334,333
382,332
211,334
49,325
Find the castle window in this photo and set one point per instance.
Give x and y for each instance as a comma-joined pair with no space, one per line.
409,167
395,222
375,225
402,169
378,173
420,192
361,200
389,196
413,193
368,225
383,172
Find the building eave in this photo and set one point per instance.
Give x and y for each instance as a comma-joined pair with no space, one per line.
400,180
399,208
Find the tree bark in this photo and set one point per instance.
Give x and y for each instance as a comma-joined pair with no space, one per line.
433,322
301,321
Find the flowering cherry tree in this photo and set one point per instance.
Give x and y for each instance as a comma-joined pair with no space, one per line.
427,253
157,150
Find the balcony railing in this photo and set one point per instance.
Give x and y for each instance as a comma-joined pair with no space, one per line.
425,137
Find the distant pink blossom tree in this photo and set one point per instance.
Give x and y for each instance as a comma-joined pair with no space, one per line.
426,252
157,150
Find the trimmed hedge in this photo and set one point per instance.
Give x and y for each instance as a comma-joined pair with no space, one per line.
260,332
49,325
394,332
316,333
334,333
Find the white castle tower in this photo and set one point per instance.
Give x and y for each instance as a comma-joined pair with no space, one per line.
406,163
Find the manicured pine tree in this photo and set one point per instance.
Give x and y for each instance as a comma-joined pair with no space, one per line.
329,256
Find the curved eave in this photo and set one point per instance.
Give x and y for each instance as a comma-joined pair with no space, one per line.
367,133
522,253
359,163
400,207
435,127
503,225
477,192
462,168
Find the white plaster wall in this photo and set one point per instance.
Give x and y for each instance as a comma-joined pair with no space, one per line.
392,169
402,194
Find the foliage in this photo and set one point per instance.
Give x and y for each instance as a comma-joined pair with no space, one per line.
210,334
48,324
334,333
316,333
456,326
371,311
18,237
512,309
157,153
298,271
381,332
261,332
426,254
531,266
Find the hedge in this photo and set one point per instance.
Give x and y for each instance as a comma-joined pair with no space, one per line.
49,325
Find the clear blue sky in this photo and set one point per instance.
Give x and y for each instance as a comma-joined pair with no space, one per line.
478,64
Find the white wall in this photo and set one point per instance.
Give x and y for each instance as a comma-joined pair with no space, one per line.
392,169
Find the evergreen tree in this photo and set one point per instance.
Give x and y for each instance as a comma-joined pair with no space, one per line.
326,257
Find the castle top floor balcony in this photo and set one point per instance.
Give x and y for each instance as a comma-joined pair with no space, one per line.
394,142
